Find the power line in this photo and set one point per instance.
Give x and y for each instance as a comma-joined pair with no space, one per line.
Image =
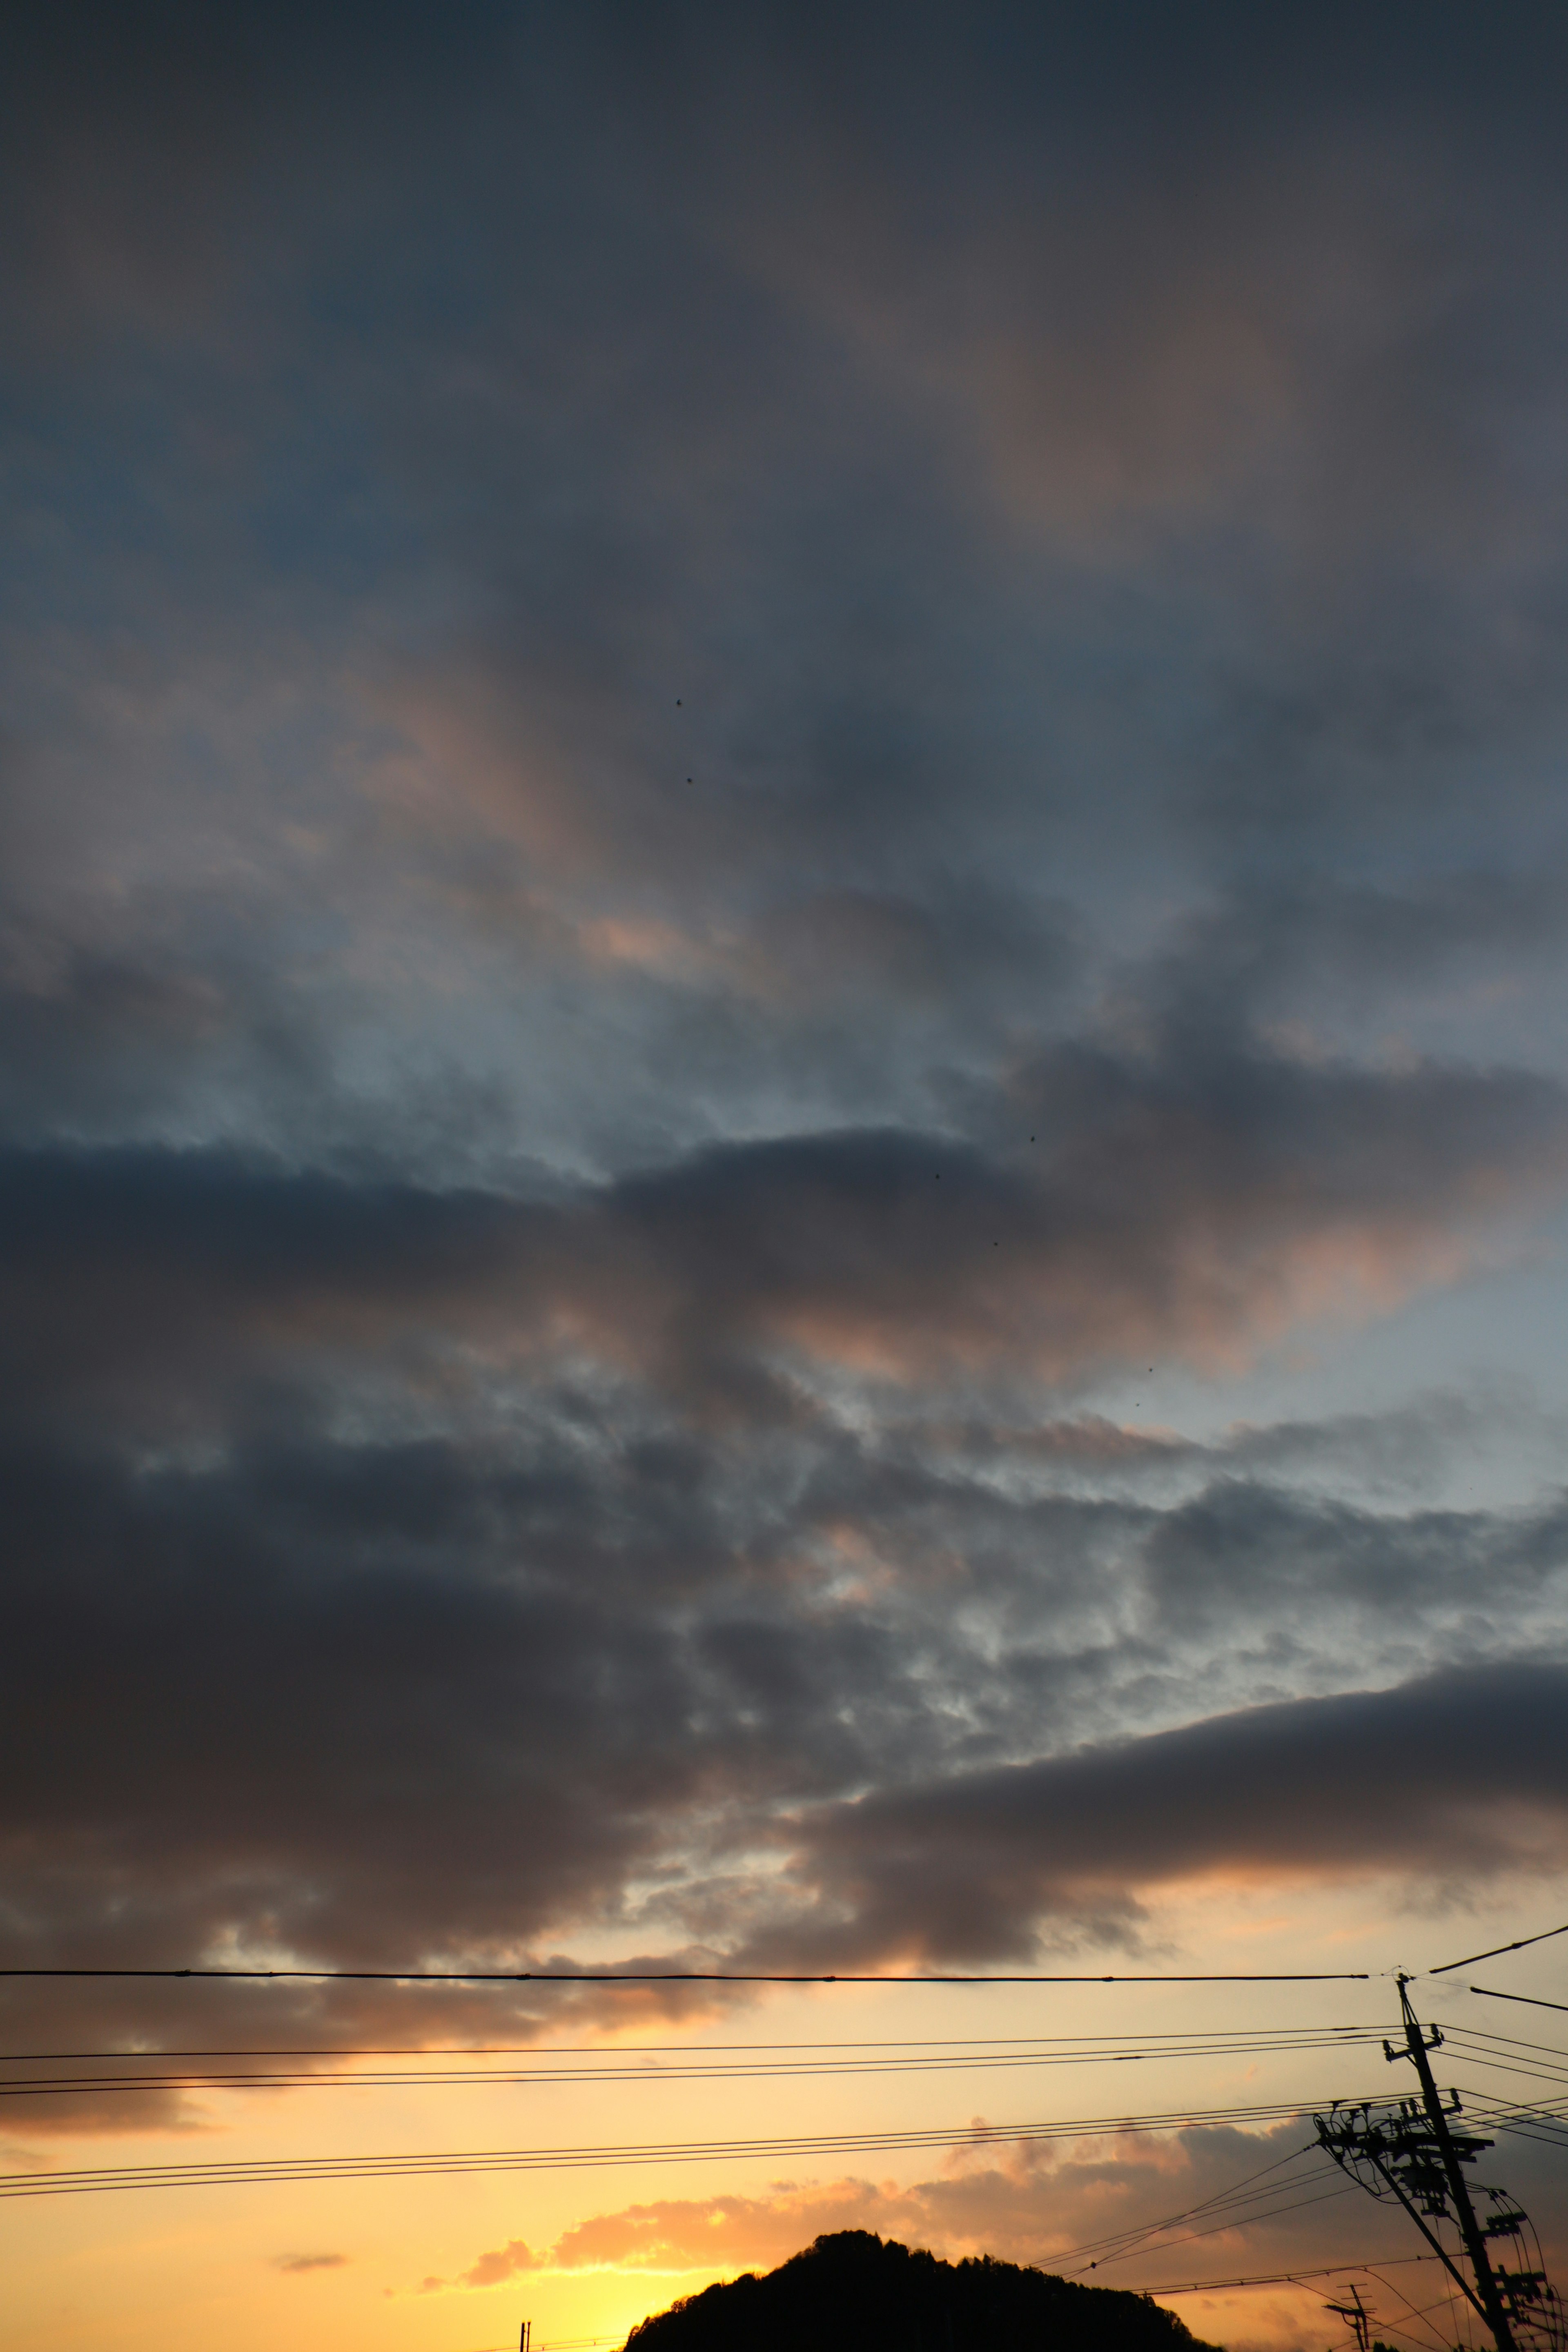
1137,2233
1545,2122
758,1977
1199,2041
673,1976
1506,2065
219,2172
1501,2041
1283,2278
617,2066
1241,2219
1528,1999
1445,2300
1519,1944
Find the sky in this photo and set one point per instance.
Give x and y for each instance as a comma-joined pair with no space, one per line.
783,1132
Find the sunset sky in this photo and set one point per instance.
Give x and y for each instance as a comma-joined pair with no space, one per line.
783,1134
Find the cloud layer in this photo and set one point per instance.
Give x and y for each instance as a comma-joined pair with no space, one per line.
1062,2212
783,893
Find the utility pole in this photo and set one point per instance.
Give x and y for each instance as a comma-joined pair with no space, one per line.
1416,2049
1413,2153
525,2336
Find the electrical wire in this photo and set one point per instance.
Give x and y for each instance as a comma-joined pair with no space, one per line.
684,2049
1239,2221
1529,2000
673,1976
1284,2278
1540,2110
1520,1944
1511,2066
221,2172
1504,2041
1139,2231
613,2066
1532,2127
1425,2313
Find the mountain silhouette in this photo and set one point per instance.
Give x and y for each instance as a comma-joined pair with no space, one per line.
854,2291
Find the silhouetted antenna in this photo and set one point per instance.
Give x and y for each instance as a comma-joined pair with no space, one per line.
1410,2150
1357,2318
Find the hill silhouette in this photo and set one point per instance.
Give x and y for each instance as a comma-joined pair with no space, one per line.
854,2291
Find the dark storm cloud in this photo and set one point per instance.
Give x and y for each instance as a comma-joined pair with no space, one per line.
388,1704
1199,1203
481,1669
726,727
551,1669
1460,1775
678,360
419,412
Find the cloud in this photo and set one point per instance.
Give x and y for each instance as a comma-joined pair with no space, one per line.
1412,1450
295,2264
1047,2207
1199,1202
1022,556
520,1575
717,791
456,1702
1460,1776
502,2262
1026,2208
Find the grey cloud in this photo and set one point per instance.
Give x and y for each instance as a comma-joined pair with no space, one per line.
978,951
432,1705
589,430
97,1044
1340,945
1459,1776
1221,1552
479,452
1404,1449
1197,1202
348,1672
1412,1450
492,1232
487,1698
